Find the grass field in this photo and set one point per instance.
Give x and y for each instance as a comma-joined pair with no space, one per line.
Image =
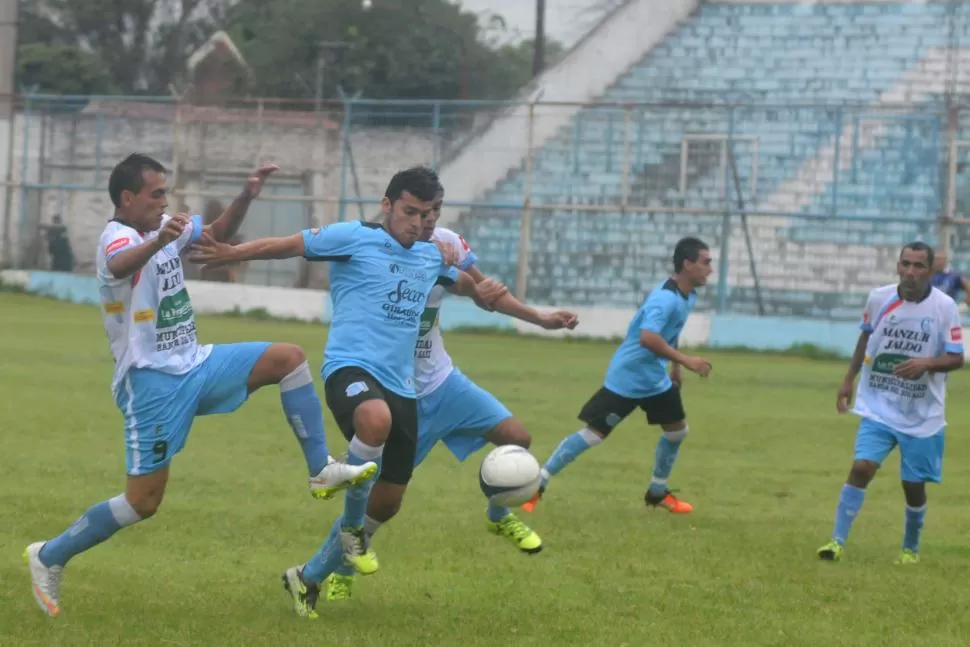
763,466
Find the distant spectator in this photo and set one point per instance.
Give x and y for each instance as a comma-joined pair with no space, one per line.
223,273
59,245
949,281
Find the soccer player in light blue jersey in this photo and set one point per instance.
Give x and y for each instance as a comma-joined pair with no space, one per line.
454,410
911,338
163,377
637,377
380,279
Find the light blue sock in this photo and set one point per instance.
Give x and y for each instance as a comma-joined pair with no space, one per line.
93,527
914,527
567,451
370,527
667,448
497,512
327,559
301,404
355,501
850,502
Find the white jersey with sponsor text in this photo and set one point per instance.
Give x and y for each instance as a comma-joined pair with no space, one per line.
148,316
432,364
902,330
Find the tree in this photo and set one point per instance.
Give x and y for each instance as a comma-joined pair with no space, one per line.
62,69
402,49
141,44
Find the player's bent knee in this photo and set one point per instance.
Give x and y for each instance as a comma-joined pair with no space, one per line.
510,431
385,500
278,362
144,493
862,472
372,421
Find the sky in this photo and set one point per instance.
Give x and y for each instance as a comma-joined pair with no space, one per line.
566,20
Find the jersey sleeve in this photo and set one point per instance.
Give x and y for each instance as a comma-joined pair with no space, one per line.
336,242
191,233
656,312
447,274
953,337
466,257
870,312
118,242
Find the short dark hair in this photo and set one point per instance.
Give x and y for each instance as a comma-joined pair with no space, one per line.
127,175
687,249
919,246
420,181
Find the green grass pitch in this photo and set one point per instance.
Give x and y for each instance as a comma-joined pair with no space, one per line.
763,465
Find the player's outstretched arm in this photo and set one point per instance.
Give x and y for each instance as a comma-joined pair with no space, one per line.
227,224
211,252
128,261
505,303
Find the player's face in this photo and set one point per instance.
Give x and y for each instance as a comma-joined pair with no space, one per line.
404,218
431,221
914,273
699,270
146,208
939,262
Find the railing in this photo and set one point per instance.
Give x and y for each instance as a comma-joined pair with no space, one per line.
565,202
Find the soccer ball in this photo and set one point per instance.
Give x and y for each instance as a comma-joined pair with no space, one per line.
509,476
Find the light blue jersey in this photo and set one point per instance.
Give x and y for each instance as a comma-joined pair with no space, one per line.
379,289
634,371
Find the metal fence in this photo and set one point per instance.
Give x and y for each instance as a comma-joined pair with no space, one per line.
804,206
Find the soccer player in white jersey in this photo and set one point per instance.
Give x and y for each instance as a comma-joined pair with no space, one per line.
452,408
163,377
911,338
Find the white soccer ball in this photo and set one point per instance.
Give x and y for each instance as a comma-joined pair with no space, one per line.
509,476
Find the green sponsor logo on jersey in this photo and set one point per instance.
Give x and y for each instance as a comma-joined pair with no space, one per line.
429,319
174,309
885,362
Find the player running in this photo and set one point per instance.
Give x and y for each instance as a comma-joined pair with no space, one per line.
453,409
911,338
163,377
380,279
637,377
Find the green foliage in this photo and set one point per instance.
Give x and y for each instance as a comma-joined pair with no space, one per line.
401,49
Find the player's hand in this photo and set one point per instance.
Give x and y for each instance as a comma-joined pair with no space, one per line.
254,183
172,229
675,375
209,252
488,292
844,398
449,254
558,320
698,365
911,369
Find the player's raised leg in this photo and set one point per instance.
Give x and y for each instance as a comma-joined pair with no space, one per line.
286,365
873,443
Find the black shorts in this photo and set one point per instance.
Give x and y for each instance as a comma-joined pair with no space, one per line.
351,386
605,410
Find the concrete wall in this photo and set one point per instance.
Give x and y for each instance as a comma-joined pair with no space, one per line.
703,329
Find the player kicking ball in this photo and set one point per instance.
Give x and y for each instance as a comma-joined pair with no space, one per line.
637,377
911,338
380,277
163,377
454,410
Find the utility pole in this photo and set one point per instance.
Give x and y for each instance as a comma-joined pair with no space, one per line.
539,44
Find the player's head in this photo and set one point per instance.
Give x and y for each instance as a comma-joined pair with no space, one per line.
939,262
915,267
408,201
138,190
428,224
692,260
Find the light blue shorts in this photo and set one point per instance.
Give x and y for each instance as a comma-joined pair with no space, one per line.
458,413
921,459
159,408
